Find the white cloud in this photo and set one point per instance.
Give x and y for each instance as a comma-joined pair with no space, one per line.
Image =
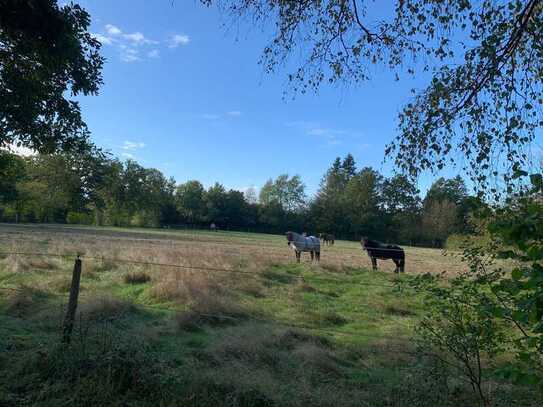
128,43
138,38
20,150
130,55
234,113
178,39
331,135
113,30
127,155
133,145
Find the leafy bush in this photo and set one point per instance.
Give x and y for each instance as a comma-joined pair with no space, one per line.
494,309
79,218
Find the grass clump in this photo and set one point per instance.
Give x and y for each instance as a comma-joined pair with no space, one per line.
61,284
211,311
305,287
25,300
19,264
327,318
253,288
104,308
398,309
137,277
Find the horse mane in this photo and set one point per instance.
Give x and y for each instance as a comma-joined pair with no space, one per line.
372,243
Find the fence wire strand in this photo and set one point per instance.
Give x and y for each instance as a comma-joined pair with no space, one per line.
216,270
182,266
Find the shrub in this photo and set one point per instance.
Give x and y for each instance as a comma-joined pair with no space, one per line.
462,332
460,242
79,218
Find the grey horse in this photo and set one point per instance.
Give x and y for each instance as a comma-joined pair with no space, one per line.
302,243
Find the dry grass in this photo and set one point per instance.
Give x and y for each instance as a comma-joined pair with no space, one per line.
209,302
252,287
61,283
231,251
24,301
185,286
18,264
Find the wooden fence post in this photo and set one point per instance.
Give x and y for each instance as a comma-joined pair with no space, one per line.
72,302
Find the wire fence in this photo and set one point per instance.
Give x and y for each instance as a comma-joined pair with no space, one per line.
178,266
253,318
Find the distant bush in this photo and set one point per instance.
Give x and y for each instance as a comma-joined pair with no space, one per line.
8,214
460,242
79,218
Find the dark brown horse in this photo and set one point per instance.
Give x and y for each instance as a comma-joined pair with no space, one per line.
377,250
327,239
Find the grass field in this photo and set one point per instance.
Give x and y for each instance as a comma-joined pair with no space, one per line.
220,318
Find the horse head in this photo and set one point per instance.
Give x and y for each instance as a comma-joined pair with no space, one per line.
290,238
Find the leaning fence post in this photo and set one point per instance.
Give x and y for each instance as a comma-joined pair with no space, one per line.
72,302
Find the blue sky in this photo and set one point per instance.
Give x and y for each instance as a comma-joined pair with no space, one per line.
185,95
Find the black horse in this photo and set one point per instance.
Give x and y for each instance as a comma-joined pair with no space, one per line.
377,250
327,238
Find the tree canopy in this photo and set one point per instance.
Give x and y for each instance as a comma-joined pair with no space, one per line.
483,103
46,55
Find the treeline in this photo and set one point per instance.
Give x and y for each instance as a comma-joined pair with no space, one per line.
93,188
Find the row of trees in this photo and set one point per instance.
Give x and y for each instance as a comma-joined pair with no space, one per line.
92,188
362,202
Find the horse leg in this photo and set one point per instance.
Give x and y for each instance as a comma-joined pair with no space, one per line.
318,254
397,263
298,256
312,255
374,263
402,265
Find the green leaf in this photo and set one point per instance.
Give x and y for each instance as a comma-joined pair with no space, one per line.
517,274
537,181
